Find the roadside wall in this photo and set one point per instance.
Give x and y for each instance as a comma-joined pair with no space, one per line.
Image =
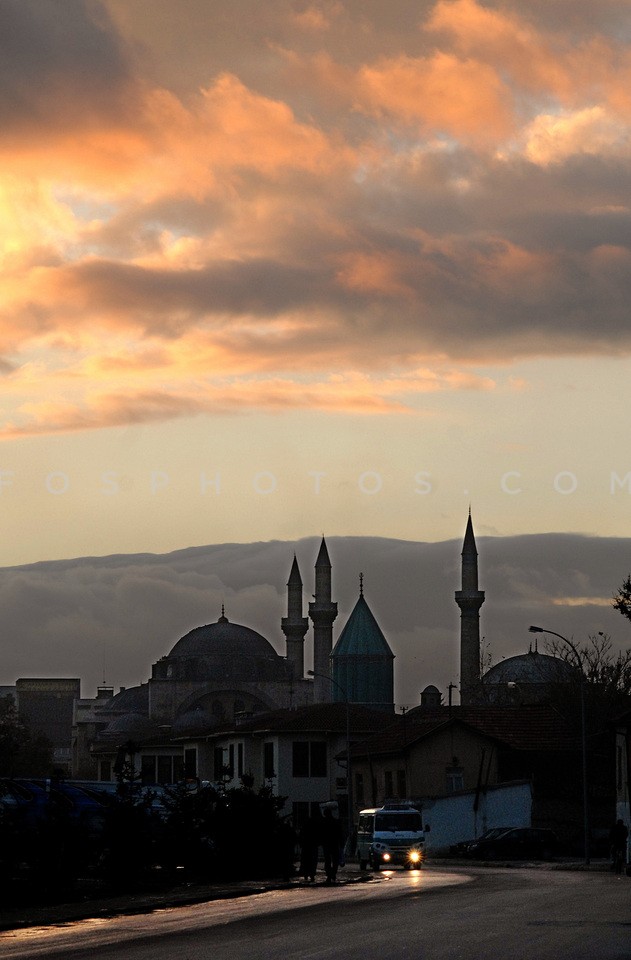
455,818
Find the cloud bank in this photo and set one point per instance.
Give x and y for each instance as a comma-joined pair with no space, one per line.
108,619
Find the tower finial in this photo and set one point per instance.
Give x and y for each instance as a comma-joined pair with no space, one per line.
361,584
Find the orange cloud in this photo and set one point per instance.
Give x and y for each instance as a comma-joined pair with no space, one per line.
457,188
465,99
351,393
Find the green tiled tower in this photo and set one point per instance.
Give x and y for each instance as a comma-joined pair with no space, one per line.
362,661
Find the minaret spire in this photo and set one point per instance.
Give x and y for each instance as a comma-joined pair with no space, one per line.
469,599
322,612
294,625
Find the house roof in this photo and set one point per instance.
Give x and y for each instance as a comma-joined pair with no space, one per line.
526,727
319,717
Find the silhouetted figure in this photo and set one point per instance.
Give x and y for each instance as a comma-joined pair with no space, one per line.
309,844
618,840
286,839
332,840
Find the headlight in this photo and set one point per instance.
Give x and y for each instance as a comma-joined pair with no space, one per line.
385,856
414,856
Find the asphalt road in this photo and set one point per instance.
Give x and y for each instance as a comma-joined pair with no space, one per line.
435,914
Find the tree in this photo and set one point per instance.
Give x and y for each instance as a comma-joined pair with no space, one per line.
22,753
622,599
606,675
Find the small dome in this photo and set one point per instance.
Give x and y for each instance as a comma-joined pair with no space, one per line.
129,726
531,668
431,696
197,720
131,700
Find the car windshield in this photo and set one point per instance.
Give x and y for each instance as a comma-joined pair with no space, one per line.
398,821
495,832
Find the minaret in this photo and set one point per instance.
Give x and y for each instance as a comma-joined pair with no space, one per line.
469,599
323,612
294,625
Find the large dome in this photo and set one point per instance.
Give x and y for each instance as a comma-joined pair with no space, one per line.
223,652
223,639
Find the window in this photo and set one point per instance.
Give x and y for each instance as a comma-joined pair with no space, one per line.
105,770
309,758
218,763
148,769
300,759
359,787
268,760
401,784
165,770
317,750
239,760
190,763
388,783
455,779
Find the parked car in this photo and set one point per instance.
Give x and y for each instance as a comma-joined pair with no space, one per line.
463,849
519,843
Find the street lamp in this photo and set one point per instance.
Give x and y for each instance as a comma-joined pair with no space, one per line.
583,734
349,779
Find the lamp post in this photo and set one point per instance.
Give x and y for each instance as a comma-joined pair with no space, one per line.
349,779
583,735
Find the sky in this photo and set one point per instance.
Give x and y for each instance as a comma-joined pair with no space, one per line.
275,270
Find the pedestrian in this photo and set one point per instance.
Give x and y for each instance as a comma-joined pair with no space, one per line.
618,839
309,846
332,841
286,840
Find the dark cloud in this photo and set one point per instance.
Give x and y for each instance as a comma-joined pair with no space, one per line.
61,65
114,616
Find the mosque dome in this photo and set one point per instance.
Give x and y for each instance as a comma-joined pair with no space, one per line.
129,700
195,721
134,726
531,668
223,651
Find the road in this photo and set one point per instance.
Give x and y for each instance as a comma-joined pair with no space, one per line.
436,914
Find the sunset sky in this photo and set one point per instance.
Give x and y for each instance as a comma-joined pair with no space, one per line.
276,269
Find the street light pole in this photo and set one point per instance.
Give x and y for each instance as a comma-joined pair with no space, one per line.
579,663
349,779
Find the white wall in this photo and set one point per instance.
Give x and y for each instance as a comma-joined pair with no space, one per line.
453,819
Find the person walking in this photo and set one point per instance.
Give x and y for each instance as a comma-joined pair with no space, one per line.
332,841
309,846
618,839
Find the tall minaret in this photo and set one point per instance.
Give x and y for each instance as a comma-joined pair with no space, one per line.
323,612
294,625
469,599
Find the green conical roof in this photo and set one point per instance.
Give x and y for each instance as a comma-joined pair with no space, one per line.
362,635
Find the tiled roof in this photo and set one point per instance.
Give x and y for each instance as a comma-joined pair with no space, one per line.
319,717
531,727
362,635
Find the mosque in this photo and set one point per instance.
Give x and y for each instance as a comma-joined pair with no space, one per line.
222,671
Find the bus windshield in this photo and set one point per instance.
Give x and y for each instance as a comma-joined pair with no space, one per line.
398,821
